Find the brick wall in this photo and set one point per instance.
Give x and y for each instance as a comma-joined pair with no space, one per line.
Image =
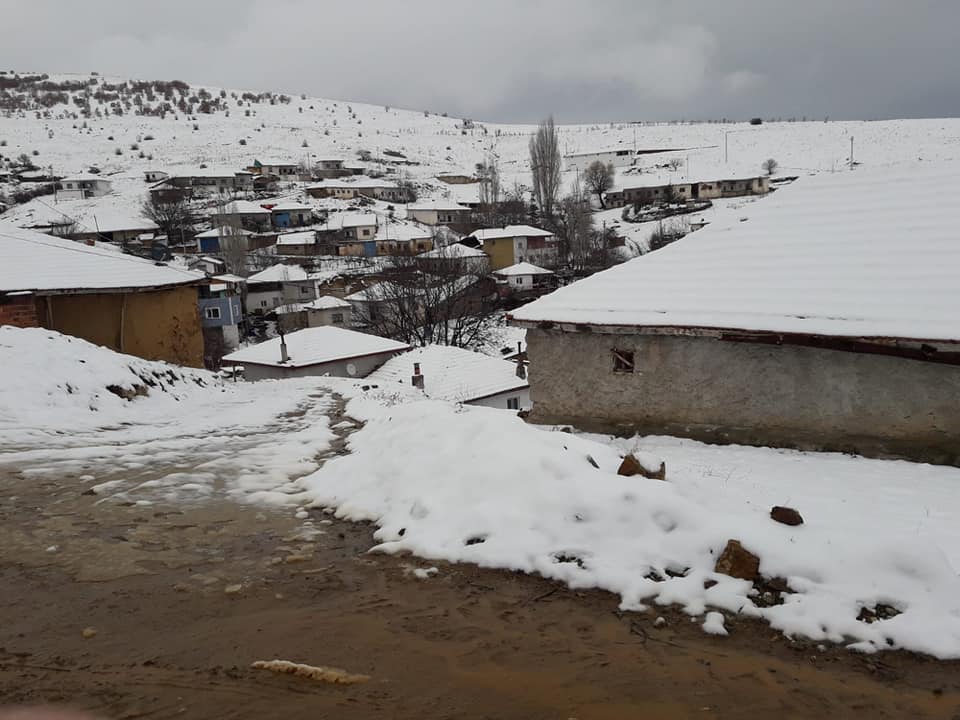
19,311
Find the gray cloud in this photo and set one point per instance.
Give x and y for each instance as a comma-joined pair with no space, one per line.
519,60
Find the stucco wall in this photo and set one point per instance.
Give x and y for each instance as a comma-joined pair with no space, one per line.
748,393
157,325
500,400
364,366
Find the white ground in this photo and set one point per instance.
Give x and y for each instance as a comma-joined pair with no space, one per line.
479,485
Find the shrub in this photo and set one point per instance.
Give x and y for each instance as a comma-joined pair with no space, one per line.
243,141
118,151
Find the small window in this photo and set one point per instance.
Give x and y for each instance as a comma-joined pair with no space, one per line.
338,318
622,361
212,313
513,403
304,291
263,303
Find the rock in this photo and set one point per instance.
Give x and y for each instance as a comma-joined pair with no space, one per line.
298,558
233,589
88,632
660,622
736,561
592,461
786,515
645,465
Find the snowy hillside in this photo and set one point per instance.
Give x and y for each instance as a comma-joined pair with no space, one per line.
52,130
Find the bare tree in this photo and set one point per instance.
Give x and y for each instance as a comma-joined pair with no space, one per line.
444,299
489,173
574,228
599,178
545,166
675,163
176,218
770,166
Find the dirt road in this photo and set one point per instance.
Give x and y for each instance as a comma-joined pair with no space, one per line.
183,599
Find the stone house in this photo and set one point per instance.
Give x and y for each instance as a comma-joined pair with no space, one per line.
806,322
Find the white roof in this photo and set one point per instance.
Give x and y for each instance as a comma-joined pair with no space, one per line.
510,231
436,204
454,251
316,346
208,172
326,302
523,268
226,230
401,232
290,207
660,177
451,373
358,183
870,253
109,220
242,207
338,221
85,177
279,273
307,237
32,261
228,278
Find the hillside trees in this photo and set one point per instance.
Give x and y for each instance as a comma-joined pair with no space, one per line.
545,166
599,178
770,166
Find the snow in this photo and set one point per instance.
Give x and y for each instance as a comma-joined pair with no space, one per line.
436,204
315,346
450,373
454,251
713,624
243,207
523,268
509,231
304,237
875,532
33,261
279,273
224,230
339,221
871,253
325,302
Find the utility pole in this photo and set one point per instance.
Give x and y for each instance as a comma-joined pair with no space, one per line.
851,152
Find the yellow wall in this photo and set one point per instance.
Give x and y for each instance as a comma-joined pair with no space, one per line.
500,252
156,325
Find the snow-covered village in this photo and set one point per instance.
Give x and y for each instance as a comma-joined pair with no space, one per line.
444,399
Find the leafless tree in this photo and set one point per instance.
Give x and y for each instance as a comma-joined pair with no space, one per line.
489,173
599,178
770,166
675,163
573,225
545,166
176,218
443,300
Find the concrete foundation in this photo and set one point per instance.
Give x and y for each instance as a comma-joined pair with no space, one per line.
746,393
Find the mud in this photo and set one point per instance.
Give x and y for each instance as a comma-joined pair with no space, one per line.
178,600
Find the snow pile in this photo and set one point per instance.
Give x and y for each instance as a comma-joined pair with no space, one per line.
52,379
476,485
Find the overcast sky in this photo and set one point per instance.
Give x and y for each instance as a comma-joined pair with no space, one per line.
519,60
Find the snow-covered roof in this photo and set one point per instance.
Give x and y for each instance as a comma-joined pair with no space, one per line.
510,231
325,302
338,221
870,253
277,163
523,268
33,261
436,204
85,177
226,230
279,273
401,232
108,220
290,207
662,176
228,278
316,346
242,207
208,172
358,183
307,237
451,373
454,251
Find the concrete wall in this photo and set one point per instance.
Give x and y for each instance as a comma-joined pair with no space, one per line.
748,393
156,325
364,366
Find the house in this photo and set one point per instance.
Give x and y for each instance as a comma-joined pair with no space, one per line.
113,226
298,243
208,181
661,187
155,176
514,244
325,310
331,168
824,318
283,169
278,285
97,293
220,317
354,188
207,265
81,187
399,238
243,213
219,239
618,156
450,373
316,351
290,214
438,212
525,280
349,233
471,259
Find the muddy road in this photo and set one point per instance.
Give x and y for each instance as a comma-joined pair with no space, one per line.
178,601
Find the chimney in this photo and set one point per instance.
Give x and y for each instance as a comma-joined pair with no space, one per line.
417,379
284,356
521,370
